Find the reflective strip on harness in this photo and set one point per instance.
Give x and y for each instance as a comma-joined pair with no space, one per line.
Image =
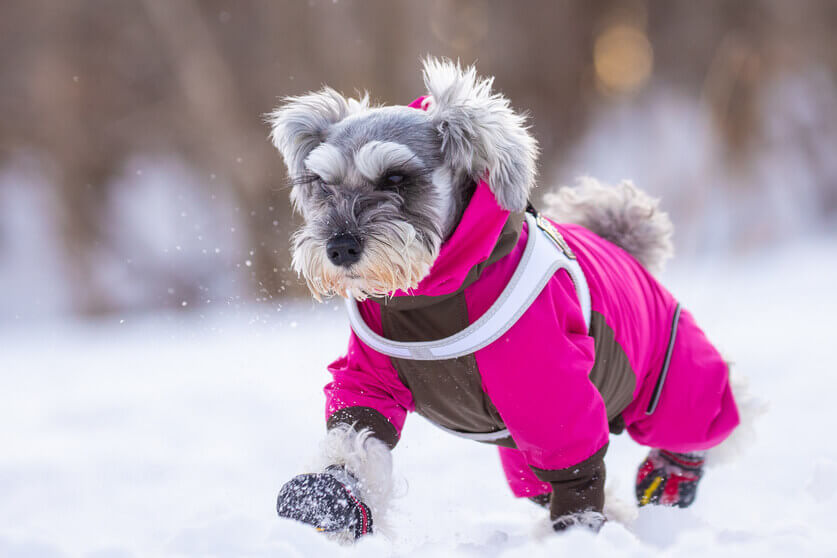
546,252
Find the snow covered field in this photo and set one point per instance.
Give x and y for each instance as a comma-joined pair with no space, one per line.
170,435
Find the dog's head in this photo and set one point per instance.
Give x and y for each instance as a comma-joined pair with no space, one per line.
380,188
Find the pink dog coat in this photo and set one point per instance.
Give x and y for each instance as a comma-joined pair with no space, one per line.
552,386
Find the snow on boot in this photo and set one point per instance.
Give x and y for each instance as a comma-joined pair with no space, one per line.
667,478
325,500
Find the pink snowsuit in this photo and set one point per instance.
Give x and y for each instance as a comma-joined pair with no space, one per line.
548,379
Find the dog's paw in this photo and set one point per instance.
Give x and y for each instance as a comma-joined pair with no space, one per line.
323,501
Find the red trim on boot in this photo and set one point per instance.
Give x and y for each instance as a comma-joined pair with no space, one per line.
363,528
645,469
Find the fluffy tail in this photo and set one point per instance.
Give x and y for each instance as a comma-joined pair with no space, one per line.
622,214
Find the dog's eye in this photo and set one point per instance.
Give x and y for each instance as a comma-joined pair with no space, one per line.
394,179
306,179
319,182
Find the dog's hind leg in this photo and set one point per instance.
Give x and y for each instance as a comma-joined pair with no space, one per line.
669,478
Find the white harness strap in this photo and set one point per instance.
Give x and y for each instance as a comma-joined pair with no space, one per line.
546,252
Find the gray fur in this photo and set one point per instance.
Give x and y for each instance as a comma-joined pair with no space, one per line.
302,124
622,214
332,147
481,134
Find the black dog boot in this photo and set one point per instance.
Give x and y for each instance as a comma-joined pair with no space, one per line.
667,478
326,501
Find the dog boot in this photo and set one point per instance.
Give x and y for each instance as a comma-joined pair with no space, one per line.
326,501
667,478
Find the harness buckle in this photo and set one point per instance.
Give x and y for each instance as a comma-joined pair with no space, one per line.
556,237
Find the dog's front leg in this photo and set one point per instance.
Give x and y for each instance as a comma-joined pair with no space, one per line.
577,497
353,485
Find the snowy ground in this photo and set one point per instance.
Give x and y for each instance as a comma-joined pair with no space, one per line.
171,435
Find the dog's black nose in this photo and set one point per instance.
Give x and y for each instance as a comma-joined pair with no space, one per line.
343,249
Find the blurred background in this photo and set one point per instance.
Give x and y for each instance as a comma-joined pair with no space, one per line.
136,175
161,367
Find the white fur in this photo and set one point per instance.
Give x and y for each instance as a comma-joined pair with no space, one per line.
373,159
481,135
327,162
443,181
369,460
622,214
397,260
750,408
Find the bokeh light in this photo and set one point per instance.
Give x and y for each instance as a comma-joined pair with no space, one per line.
623,58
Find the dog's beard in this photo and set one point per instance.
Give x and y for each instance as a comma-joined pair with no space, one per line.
393,259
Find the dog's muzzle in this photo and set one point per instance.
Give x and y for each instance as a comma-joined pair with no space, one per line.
344,250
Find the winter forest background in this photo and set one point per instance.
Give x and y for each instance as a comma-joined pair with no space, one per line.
161,365
135,172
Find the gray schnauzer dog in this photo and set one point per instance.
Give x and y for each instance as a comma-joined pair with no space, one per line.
381,188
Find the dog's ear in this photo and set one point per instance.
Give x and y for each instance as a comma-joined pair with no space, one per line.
301,123
480,132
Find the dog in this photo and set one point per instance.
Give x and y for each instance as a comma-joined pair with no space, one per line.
541,336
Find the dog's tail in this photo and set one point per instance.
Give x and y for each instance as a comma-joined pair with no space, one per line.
622,214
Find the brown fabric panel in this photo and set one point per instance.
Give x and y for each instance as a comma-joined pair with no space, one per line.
612,373
569,473
617,425
365,417
504,442
577,488
446,392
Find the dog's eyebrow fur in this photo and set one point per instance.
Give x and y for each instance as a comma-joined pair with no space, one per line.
328,162
374,158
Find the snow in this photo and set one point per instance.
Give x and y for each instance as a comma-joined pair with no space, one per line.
170,435
30,252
